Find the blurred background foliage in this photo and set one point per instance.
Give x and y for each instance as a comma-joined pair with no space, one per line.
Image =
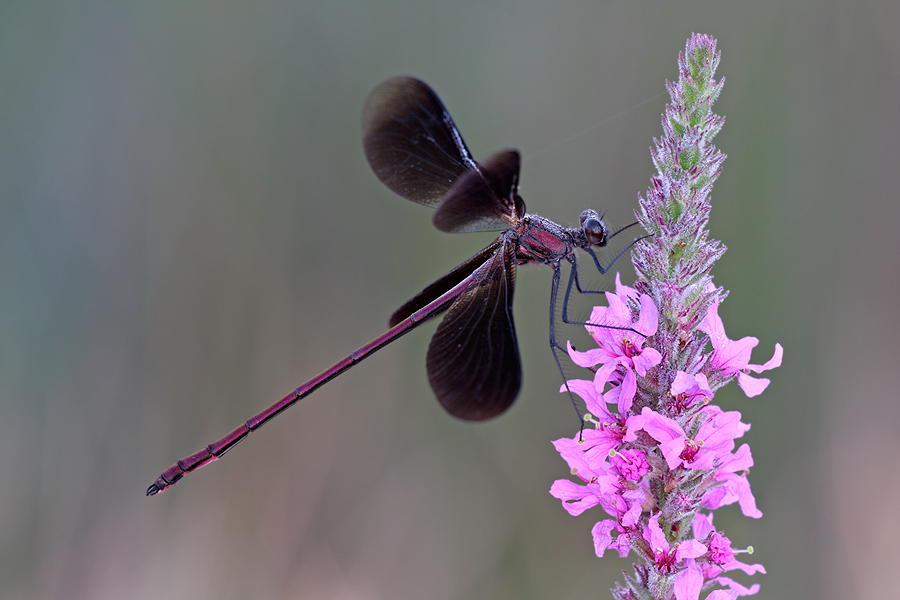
189,229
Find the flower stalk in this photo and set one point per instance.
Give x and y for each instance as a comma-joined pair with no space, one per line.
655,454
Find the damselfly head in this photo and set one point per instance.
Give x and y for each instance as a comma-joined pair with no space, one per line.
594,228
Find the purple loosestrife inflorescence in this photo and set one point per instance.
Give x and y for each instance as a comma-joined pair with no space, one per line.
655,451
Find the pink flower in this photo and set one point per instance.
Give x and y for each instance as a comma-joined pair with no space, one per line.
686,389
601,484
666,556
587,453
575,498
630,464
621,344
718,559
721,555
732,357
689,578
626,509
713,442
734,486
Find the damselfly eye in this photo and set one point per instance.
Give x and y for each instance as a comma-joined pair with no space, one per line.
594,228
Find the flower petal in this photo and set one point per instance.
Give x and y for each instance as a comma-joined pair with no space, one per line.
649,319
654,536
625,392
575,498
689,582
690,549
751,385
602,534
735,587
646,360
588,359
772,363
623,290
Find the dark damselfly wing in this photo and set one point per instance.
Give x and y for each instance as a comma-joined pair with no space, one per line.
447,282
483,198
411,142
415,149
473,359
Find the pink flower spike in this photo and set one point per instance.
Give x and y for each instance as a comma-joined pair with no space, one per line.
661,453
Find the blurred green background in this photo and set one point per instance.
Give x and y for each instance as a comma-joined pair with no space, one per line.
189,229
